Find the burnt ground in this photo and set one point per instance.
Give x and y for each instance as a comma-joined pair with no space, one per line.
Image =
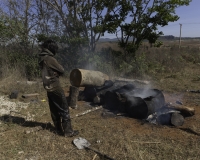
190,127
154,141
129,138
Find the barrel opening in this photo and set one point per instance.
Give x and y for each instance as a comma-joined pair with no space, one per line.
75,77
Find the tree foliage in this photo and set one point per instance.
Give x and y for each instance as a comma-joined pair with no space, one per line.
79,24
83,20
136,20
5,30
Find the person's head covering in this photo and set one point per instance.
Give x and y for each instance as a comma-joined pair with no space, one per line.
50,45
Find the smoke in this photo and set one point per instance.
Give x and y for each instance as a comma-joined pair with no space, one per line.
90,66
142,91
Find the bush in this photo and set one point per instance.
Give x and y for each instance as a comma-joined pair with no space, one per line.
13,58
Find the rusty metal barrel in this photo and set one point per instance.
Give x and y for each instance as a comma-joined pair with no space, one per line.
153,98
137,102
82,78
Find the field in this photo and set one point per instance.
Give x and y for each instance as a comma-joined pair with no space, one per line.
27,133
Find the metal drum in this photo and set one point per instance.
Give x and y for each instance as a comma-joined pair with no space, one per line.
82,78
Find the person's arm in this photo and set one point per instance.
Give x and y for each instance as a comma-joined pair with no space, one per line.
53,63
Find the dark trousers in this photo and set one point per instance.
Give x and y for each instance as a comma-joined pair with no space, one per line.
58,106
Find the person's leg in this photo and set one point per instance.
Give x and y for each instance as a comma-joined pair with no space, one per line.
54,114
60,102
66,121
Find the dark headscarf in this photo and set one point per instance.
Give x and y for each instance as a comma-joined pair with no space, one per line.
50,45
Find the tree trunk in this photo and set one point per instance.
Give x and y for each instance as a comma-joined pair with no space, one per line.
73,97
83,78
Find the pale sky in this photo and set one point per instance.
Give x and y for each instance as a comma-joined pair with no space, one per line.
189,18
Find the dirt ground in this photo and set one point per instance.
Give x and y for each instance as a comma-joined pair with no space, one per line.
191,126
171,142
122,138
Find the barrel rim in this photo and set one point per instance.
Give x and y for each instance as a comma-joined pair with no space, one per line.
77,81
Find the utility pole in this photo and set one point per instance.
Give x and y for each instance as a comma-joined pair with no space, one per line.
180,36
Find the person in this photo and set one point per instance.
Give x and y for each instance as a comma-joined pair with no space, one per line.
51,70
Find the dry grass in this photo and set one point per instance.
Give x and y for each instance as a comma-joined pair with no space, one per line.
122,138
168,59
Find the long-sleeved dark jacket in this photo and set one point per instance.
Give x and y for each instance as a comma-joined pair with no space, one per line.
51,70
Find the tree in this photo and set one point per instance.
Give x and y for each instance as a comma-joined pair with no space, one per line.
136,20
22,15
5,30
49,23
83,21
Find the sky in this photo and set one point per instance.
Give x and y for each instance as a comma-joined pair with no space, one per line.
189,18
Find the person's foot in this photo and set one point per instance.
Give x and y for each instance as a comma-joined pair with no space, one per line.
68,131
58,128
71,134
74,107
59,132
